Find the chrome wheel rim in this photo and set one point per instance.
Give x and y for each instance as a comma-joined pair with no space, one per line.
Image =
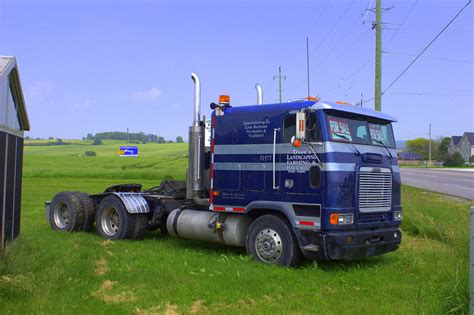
268,246
60,215
110,221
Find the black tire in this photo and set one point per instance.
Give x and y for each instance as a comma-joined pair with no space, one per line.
141,224
270,240
66,213
113,222
89,211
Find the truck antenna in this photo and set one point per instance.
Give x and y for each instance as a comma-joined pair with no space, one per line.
307,64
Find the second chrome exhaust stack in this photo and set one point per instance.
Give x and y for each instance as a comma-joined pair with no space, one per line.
195,176
197,99
258,87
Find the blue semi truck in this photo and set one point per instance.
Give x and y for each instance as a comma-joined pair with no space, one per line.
309,179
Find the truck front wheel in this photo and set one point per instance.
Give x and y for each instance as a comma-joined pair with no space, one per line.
271,241
113,222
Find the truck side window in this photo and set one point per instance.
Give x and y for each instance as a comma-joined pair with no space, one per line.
312,129
289,128
315,177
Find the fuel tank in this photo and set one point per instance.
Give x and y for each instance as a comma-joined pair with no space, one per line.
226,228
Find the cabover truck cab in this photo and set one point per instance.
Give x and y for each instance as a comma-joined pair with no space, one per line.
307,178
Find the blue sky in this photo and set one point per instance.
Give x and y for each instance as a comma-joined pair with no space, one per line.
91,66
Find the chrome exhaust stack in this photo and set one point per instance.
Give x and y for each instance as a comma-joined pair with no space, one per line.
197,99
195,176
258,87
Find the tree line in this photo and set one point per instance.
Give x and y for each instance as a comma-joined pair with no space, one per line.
439,150
132,137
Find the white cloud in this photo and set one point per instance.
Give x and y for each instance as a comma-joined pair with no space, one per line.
151,94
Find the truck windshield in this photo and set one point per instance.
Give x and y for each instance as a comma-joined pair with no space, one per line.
360,129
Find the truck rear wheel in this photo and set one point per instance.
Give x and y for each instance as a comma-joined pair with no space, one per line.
271,241
66,212
113,222
89,213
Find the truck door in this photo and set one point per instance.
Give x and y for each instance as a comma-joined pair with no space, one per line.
300,170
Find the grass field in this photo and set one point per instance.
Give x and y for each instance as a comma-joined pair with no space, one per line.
50,272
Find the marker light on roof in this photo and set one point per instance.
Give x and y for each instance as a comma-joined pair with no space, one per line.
224,99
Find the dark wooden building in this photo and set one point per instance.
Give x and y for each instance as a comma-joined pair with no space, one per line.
13,123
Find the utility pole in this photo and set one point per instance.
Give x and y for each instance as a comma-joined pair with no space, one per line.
128,137
280,77
429,148
307,64
378,55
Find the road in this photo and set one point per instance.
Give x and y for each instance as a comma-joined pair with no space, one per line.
456,182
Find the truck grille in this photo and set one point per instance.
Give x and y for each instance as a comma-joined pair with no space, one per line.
375,189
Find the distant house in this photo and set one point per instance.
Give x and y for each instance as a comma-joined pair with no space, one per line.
463,144
454,145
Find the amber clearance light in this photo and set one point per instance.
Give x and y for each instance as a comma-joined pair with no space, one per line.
224,99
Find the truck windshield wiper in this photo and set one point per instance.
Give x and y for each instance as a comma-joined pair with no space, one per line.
381,142
349,140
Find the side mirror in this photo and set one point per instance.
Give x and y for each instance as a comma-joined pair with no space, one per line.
301,126
295,142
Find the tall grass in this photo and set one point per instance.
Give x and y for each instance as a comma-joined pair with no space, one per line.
50,272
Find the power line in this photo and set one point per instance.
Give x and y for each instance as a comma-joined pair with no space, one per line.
427,94
424,49
403,22
333,27
427,57
427,27
350,47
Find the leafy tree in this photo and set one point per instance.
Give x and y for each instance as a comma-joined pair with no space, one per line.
454,160
419,146
59,141
161,140
97,141
51,138
179,139
443,146
90,136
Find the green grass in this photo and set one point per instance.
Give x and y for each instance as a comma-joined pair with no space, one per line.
50,272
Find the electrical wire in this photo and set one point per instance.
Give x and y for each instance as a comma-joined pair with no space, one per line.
403,22
422,51
427,27
427,57
426,48
333,27
427,94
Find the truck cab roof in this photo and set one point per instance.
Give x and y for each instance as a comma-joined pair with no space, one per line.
316,105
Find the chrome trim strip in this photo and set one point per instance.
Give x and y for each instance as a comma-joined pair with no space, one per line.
288,148
283,167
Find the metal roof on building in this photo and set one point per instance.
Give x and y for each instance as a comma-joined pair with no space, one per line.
9,71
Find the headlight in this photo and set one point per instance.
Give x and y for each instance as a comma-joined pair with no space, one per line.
397,215
341,218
